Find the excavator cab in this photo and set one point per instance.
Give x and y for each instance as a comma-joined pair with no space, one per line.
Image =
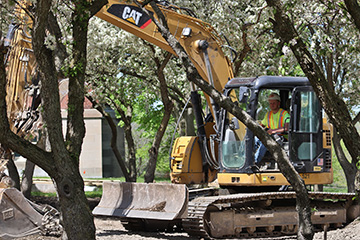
307,139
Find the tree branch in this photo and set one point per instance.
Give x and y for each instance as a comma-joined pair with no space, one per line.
354,9
113,128
356,118
96,6
246,49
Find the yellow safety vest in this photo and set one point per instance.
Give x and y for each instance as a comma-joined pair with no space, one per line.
269,120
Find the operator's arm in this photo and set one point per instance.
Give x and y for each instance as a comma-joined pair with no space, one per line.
276,131
264,122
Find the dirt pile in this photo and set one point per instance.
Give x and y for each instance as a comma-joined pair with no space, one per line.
350,232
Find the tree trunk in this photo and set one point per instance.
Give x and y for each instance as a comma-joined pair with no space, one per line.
76,216
349,168
114,147
13,172
168,106
27,179
154,150
77,219
353,8
303,208
126,118
151,166
318,187
132,154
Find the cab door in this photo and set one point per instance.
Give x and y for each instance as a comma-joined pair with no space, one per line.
305,133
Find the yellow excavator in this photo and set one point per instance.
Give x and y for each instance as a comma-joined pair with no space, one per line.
250,200
224,148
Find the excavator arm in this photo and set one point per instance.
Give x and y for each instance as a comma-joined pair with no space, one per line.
22,87
189,31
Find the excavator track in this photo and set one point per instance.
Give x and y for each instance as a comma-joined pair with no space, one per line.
194,224
261,214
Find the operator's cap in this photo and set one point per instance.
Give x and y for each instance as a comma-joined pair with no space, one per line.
274,96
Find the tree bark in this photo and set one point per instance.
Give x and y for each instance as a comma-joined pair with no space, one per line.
77,219
126,118
349,168
114,147
168,106
354,9
189,122
318,187
356,118
246,49
76,215
13,172
27,179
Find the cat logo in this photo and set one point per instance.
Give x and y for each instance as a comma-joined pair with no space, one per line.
131,14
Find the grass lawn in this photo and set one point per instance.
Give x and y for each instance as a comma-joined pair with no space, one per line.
98,191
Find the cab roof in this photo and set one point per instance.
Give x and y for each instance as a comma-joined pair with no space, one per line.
268,82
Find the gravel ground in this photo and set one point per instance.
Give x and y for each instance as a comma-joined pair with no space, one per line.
111,229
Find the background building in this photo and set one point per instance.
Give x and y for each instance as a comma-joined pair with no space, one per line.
97,159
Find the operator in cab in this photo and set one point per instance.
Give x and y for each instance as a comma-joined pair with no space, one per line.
273,122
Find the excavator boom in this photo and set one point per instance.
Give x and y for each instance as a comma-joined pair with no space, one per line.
186,29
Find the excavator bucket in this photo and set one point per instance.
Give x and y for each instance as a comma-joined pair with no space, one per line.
159,201
17,217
